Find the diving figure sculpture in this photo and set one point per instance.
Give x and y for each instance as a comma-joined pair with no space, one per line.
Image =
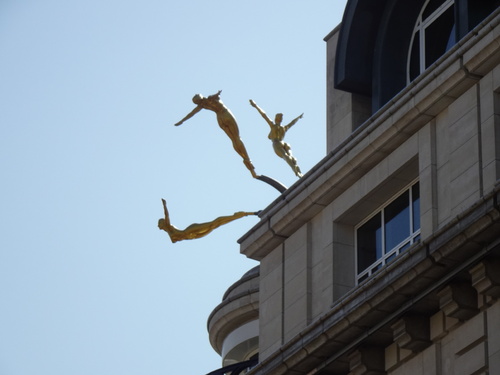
196,230
226,121
277,134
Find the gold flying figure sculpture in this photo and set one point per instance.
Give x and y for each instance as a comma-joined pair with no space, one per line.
226,121
277,134
196,230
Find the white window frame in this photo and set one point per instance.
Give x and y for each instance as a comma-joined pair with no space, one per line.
420,27
386,258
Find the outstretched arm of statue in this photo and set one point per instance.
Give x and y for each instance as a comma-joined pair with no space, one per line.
262,113
167,218
189,115
293,122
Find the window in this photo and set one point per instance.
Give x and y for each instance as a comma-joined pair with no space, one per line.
384,45
434,34
388,232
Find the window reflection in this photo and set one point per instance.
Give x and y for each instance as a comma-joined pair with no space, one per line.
397,221
434,34
415,194
437,36
369,241
389,232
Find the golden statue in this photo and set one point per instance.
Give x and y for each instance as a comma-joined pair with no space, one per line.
226,121
277,134
196,230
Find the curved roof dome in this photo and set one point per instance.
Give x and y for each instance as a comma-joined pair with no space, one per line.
375,38
239,308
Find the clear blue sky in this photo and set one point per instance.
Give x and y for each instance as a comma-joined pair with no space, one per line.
89,93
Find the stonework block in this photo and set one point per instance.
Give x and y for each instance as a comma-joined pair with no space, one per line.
428,223
428,206
496,78
491,174
463,129
403,154
321,300
443,194
486,277
338,291
448,356
469,334
490,136
296,289
472,361
343,234
424,363
440,325
487,97
464,156
321,278
461,109
404,354
367,361
341,131
295,318
494,363
295,263
409,363
296,242
493,316
270,307
271,262
458,300
412,332
442,127
465,190
321,235
271,283
343,264
270,337
426,145
430,360
391,356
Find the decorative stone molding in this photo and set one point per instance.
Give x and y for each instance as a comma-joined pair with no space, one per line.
486,277
412,332
458,300
367,361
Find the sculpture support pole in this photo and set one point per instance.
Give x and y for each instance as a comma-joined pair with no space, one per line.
276,184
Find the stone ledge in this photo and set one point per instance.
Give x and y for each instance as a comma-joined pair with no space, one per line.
427,95
370,308
231,314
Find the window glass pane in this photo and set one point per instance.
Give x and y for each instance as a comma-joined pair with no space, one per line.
362,278
390,259
431,7
415,57
397,221
415,191
369,242
479,10
437,35
452,40
404,247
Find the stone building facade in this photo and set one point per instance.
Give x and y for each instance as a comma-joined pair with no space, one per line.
385,257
